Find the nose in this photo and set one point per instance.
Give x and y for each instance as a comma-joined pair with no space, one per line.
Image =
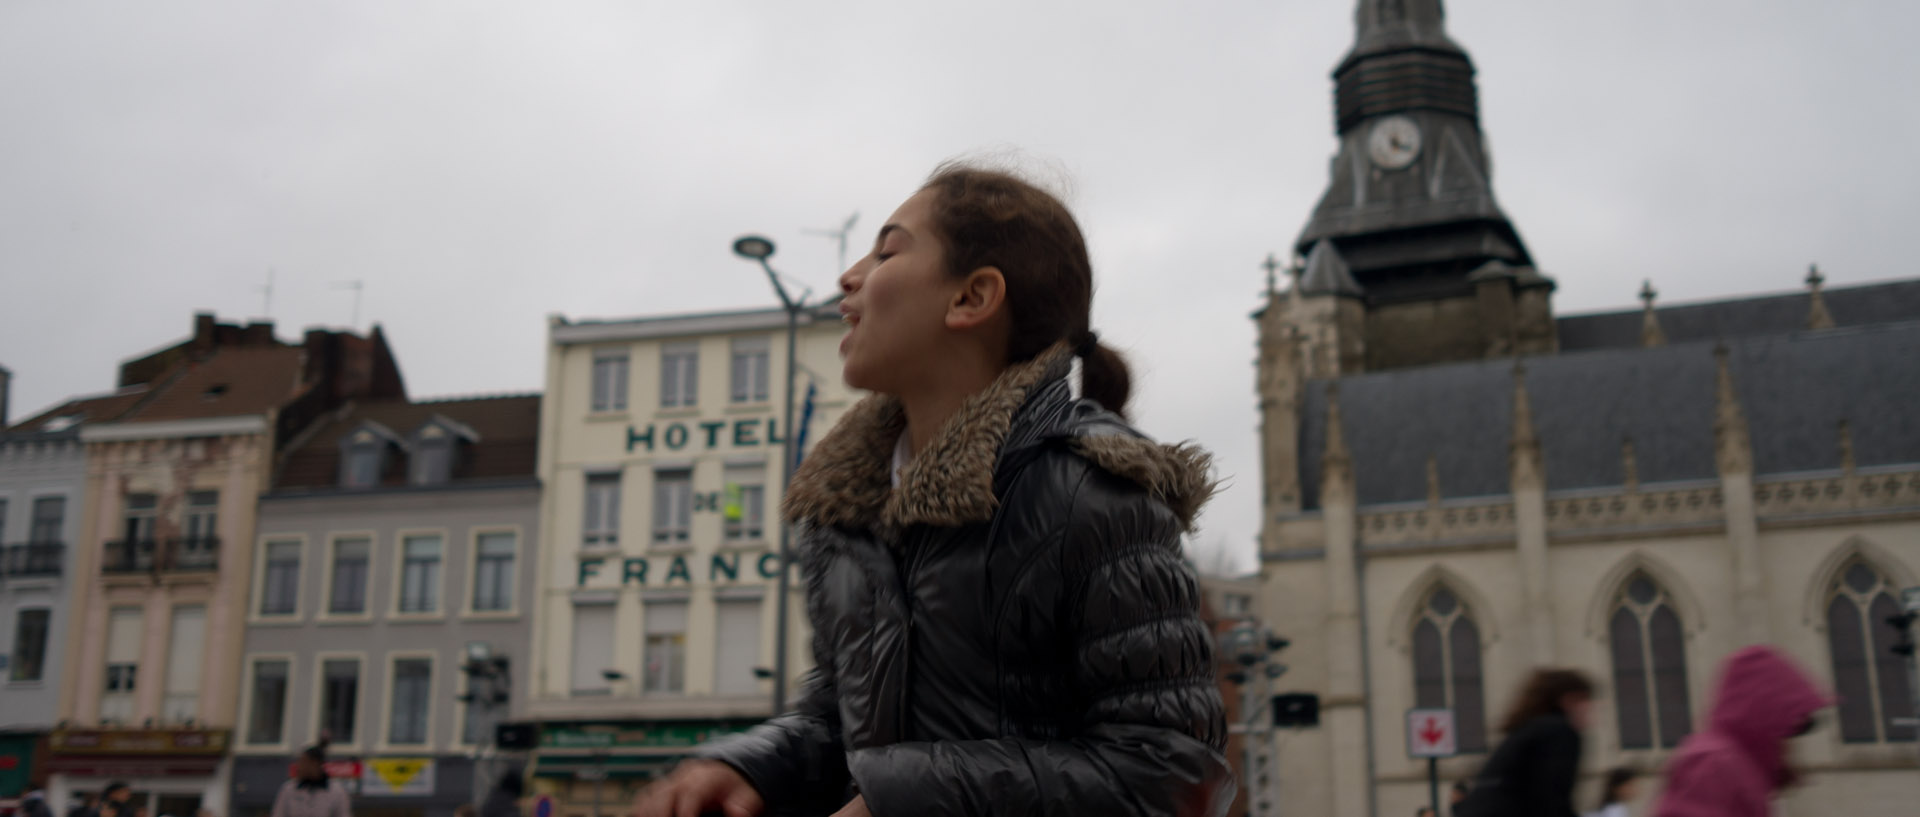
850,280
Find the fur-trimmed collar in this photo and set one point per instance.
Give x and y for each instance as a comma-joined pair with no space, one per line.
846,480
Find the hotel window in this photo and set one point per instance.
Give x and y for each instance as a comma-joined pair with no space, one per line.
746,503
202,544
750,369
601,528
737,648
280,579
610,381
679,374
592,647
666,654
184,649
420,574
267,724
348,591
672,507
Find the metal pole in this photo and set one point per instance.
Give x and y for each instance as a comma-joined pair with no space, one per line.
786,481
1433,784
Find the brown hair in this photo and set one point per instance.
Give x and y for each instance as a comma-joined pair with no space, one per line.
1542,695
992,218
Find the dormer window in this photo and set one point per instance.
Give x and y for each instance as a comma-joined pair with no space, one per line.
363,456
434,451
432,456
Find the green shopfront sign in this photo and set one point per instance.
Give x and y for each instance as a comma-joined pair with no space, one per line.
638,736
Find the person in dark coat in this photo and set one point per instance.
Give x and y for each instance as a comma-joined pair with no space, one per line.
1533,770
504,800
1002,622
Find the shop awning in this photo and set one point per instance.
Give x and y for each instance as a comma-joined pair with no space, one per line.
136,766
588,767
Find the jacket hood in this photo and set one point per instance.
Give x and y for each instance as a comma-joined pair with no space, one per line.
847,481
1762,701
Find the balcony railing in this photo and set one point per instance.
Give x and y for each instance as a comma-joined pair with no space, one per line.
162,556
33,559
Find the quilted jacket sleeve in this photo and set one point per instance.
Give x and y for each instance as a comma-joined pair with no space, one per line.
1151,723
795,761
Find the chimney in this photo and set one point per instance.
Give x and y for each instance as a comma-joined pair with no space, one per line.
257,333
6,385
204,327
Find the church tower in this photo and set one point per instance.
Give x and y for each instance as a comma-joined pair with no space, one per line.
1409,219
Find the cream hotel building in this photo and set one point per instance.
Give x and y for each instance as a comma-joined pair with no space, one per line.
660,452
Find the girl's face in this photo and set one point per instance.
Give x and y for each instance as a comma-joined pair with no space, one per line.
896,303
1579,709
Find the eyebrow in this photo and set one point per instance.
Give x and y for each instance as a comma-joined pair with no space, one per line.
882,237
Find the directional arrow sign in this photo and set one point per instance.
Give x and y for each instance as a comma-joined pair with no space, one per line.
1430,733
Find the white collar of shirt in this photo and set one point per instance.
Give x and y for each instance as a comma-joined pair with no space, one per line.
902,456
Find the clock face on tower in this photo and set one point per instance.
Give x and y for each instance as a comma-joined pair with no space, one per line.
1394,142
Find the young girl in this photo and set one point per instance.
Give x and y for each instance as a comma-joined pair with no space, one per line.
1002,621
1532,772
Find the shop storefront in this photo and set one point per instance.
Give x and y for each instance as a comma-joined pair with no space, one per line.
173,772
594,769
381,786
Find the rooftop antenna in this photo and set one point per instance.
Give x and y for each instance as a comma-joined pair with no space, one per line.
266,297
841,235
356,286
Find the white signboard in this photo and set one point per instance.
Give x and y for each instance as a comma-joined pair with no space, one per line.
1430,733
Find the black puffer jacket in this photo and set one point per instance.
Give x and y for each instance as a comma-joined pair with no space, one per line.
1010,632
1531,773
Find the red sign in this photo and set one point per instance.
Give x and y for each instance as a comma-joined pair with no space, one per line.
1430,733
343,769
9,763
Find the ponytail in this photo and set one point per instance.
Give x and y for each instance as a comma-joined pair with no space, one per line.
1104,377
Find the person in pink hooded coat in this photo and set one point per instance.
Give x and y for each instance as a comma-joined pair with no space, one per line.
1734,767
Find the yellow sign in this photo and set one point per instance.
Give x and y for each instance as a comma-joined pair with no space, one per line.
397,776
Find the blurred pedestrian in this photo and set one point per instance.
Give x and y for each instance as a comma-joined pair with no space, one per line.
34,804
311,792
1532,772
1002,620
89,806
116,800
1734,767
1424,811
504,800
1621,787
1457,794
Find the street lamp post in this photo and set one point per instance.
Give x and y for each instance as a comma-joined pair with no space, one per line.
757,248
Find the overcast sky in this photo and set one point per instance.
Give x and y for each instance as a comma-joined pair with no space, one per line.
479,165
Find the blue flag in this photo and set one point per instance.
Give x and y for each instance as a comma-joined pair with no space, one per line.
806,421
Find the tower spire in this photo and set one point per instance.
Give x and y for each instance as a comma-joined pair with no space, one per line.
1817,315
1650,332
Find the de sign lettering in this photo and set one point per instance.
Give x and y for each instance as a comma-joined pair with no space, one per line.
721,567
708,434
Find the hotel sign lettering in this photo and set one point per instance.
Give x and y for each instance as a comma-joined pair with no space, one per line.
721,568
705,434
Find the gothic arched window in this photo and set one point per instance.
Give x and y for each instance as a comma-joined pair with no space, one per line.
1870,677
1649,667
1446,666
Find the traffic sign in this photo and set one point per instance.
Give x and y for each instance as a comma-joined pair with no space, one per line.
1430,733
543,806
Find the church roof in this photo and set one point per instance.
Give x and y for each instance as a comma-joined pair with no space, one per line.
1327,272
1766,314
1795,388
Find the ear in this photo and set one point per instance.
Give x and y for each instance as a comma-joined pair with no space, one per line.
979,299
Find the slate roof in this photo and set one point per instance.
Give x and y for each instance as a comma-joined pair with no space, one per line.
1762,315
1795,388
508,429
